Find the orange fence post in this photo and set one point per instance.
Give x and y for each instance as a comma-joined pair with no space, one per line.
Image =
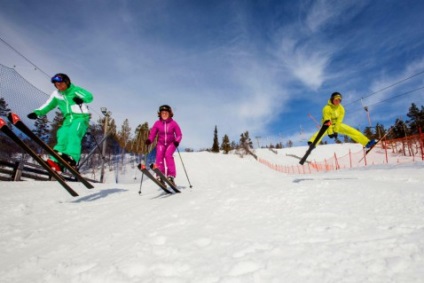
385,150
365,159
421,139
336,161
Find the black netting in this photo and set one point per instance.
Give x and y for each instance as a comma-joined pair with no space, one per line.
21,97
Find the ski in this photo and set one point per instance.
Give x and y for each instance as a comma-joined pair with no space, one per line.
172,185
321,132
378,141
5,129
369,149
15,120
297,157
147,173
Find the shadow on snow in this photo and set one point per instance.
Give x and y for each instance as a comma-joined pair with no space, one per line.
99,195
323,179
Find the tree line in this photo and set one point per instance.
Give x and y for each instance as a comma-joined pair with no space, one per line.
412,126
124,140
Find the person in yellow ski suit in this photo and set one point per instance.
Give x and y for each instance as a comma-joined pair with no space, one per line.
335,112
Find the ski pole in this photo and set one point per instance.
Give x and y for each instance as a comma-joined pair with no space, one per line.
318,125
97,147
142,174
185,171
366,110
141,182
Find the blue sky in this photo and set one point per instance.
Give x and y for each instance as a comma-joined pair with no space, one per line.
257,66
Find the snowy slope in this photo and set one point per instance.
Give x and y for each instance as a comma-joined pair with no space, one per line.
241,222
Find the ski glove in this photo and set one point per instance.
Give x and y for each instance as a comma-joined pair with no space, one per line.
333,135
176,143
147,142
32,116
78,100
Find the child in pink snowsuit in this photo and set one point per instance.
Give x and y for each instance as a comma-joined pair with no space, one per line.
169,137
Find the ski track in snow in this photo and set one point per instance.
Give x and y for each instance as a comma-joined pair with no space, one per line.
241,222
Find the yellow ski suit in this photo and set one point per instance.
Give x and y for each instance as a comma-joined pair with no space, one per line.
335,113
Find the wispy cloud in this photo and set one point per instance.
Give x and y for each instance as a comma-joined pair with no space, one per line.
304,62
324,14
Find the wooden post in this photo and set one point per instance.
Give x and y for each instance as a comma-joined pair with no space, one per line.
17,170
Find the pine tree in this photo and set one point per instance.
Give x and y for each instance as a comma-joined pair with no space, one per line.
416,119
249,141
4,111
225,145
215,145
8,147
4,108
368,132
124,135
346,139
245,141
55,125
380,131
41,129
399,130
289,144
141,135
92,138
111,128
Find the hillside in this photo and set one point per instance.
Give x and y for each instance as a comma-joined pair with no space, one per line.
241,222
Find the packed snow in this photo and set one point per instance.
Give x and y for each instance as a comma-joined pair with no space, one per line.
240,222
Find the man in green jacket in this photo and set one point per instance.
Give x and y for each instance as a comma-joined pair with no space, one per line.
334,112
72,102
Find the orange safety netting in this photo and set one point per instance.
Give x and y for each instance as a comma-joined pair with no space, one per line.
402,150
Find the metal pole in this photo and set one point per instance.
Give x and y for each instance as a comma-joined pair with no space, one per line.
93,150
104,148
142,174
184,168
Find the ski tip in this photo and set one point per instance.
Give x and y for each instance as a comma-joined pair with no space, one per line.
13,117
141,166
2,123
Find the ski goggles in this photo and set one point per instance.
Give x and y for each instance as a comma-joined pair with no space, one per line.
338,97
57,79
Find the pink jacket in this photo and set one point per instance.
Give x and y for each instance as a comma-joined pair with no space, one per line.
168,131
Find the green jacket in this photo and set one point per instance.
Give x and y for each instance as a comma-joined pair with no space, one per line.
64,101
335,114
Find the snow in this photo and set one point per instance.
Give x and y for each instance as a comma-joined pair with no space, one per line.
240,222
